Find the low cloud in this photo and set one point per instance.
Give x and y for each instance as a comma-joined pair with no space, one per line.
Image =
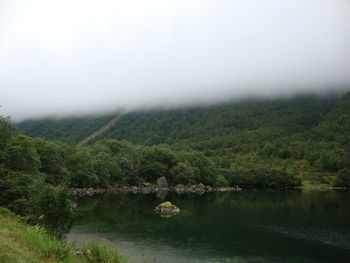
74,57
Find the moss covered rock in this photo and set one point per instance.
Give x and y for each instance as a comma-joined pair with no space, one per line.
166,208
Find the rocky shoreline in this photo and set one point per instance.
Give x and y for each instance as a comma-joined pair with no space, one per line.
148,189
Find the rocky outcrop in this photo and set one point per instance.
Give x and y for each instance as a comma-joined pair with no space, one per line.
86,191
147,188
166,208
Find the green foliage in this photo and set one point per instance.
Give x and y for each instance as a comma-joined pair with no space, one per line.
6,132
56,208
5,212
97,252
80,163
343,178
68,130
21,243
49,247
24,188
52,160
183,173
20,154
250,142
305,128
156,162
262,178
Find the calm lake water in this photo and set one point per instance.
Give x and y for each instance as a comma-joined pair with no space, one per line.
246,226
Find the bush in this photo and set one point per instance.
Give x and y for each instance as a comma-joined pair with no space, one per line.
262,178
5,212
343,178
45,244
98,252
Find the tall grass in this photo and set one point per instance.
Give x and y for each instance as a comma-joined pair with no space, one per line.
99,252
20,242
44,243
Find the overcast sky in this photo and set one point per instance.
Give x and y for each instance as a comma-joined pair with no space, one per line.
82,56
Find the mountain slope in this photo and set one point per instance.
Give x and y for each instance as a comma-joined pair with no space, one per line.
192,124
73,129
101,130
306,134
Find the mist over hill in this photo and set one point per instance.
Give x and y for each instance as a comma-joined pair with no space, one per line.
67,59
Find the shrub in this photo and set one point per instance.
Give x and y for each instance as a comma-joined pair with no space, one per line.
343,178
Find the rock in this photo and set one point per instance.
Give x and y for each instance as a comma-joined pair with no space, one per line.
146,190
237,188
180,188
146,184
209,188
162,182
201,185
134,189
166,208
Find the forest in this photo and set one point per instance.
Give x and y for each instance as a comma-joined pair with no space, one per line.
307,135
278,144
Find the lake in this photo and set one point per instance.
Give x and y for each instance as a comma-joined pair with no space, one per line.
266,226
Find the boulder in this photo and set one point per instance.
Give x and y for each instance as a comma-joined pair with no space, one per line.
180,188
146,184
162,182
201,185
166,208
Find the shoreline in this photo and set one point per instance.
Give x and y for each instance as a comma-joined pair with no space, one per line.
199,189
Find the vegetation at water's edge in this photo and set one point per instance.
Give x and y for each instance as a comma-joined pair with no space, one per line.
21,243
306,135
34,173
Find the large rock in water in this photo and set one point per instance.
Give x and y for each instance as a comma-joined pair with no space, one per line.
162,182
166,208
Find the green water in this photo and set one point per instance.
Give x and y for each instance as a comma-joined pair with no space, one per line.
247,226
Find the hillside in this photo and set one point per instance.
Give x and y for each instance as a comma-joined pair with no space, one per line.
73,129
198,124
309,133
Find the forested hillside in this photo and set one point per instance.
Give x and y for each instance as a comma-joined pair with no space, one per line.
72,129
193,125
308,135
35,174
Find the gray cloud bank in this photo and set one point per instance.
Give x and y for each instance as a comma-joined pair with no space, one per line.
82,56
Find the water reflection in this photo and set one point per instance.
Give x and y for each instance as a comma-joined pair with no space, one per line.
246,226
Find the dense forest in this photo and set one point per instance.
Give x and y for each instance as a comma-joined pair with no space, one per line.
35,174
308,135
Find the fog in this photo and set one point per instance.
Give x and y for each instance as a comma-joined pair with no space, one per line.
72,57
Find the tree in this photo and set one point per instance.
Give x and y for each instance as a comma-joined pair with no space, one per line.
21,155
343,178
183,173
52,159
81,168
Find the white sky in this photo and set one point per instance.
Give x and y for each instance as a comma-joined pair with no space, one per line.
68,57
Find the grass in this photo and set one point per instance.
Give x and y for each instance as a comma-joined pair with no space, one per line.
22,243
